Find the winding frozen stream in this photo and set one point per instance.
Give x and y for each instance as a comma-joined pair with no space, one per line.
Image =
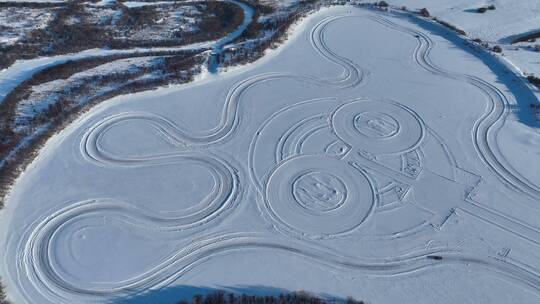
24,69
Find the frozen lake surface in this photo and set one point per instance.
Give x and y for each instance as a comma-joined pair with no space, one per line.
373,155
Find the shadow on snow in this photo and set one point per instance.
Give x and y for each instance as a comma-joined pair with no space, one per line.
175,294
513,83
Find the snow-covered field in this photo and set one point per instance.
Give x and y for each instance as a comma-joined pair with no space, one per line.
509,20
17,22
373,155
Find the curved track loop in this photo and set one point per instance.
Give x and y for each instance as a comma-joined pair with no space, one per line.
226,180
259,178
400,128
351,76
486,128
318,197
57,289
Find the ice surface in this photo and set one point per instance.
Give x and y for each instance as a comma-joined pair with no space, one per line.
369,156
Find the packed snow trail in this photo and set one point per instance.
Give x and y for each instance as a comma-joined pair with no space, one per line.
486,128
55,288
352,75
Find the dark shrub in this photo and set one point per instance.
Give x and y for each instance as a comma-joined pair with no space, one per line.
424,12
534,80
497,49
382,3
484,9
528,37
450,26
3,297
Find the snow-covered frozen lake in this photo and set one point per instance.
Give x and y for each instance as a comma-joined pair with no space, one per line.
373,155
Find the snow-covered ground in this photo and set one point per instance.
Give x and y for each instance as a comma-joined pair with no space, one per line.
45,94
131,4
498,27
16,22
280,3
373,155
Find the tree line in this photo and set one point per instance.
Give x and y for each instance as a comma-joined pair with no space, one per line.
301,297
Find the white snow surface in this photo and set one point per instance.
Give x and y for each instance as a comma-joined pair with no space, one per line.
44,94
509,20
373,155
17,22
132,4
